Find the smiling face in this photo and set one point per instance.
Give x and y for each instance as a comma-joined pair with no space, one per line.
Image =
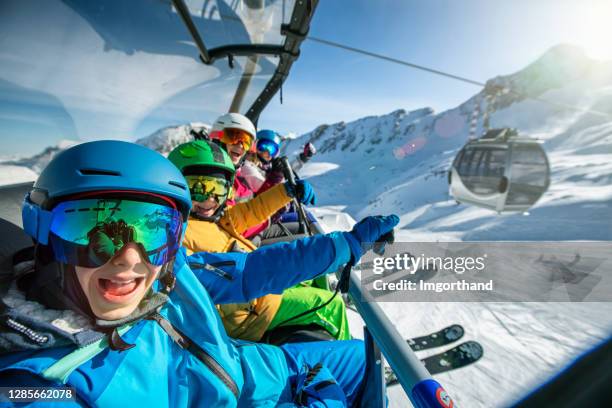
235,151
264,154
205,208
115,289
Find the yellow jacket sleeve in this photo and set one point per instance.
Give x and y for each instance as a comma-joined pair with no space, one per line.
247,214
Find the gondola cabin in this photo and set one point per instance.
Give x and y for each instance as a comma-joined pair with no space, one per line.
502,171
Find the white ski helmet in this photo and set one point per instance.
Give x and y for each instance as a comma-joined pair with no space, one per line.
234,121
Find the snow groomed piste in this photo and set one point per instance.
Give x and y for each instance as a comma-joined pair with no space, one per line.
382,337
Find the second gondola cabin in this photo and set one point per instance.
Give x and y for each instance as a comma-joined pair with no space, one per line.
502,171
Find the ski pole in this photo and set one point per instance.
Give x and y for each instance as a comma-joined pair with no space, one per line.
305,226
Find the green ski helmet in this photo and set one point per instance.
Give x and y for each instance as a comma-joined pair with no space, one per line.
203,157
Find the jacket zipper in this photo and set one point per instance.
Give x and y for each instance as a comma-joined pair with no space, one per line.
29,333
213,268
223,263
186,343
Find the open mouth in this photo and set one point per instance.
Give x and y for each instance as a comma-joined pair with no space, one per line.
235,156
205,210
205,213
118,290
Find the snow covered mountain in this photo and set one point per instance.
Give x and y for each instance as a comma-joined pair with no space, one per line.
27,169
398,162
38,162
166,139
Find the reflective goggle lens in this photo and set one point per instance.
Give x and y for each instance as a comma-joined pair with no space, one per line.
89,232
267,146
233,136
202,187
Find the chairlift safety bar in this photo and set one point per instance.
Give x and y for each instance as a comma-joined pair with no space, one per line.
421,388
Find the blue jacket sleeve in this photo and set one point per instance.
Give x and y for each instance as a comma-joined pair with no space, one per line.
239,277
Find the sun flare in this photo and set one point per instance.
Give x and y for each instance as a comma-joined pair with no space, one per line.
593,29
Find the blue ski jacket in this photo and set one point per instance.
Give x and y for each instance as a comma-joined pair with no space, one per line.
182,356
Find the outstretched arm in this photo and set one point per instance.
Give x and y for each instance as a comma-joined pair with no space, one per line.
247,214
239,277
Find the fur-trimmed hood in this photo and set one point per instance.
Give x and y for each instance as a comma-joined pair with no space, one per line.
29,325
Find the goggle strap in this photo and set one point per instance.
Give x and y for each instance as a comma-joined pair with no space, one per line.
97,194
36,222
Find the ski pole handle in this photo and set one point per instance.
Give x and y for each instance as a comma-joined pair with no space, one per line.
288,171
290,177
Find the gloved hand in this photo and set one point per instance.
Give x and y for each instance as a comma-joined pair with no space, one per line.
309,150
277,164
303,192
368,231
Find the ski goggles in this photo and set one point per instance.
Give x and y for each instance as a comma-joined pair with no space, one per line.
203,187
265,145
89,232
234,136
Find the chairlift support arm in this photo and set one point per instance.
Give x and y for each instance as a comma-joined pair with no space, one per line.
183,11
296,32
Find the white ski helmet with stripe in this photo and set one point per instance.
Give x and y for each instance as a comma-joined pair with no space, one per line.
234,121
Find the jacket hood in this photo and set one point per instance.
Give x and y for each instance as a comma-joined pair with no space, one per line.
29,325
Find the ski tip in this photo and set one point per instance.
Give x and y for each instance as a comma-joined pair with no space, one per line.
454,358
454,332
472,348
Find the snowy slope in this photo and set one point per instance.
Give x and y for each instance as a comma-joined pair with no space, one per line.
397,163
524,343
10,174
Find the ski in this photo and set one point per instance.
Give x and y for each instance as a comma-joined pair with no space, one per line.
440,338
459,356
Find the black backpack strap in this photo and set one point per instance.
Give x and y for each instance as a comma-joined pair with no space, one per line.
186,343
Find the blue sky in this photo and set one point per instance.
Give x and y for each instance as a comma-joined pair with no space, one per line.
478,39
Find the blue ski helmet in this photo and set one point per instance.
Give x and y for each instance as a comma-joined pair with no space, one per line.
104,165
270,141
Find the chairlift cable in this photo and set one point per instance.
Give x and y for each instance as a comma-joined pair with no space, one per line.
395,60
452,76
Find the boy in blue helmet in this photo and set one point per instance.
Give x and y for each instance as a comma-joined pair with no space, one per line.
265,172
108,304
268,147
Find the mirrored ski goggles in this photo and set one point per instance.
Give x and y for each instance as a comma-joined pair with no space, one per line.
203,187
269,146
89,232
234,136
